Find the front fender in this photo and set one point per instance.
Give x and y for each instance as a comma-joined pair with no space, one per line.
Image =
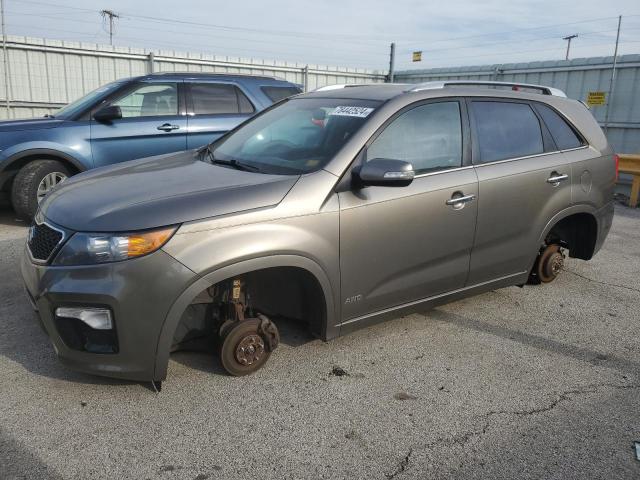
45,149
329,330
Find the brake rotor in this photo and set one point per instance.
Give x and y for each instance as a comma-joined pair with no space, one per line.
550,263
250,349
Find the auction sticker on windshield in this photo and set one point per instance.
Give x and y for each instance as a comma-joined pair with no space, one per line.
361,112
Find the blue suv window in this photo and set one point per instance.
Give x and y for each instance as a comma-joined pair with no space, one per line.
220,99
150,100
276,94
83,103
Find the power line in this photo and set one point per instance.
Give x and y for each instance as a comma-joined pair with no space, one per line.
510,41
560,48
313,35
530,29
318,38
368,53
316,35
199,47
201,35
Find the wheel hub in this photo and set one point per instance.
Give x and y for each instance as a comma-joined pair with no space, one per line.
250,349
556,262
48,183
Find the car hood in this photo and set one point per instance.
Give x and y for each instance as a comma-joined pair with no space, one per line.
29,124
159,191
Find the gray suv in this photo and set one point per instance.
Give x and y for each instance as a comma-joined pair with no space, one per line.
336,208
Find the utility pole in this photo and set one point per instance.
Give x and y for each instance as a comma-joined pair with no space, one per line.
7,89
111,14
612,82
568,39
392,62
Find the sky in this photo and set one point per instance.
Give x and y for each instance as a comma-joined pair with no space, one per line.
350,33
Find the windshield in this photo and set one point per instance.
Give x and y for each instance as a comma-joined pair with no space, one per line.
85,102
298,136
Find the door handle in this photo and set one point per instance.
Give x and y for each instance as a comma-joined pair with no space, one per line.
458,202
556,178
167,127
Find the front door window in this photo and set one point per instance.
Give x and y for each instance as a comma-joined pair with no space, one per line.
150,100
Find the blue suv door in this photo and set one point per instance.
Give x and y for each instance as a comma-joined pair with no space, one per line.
152,123
214,108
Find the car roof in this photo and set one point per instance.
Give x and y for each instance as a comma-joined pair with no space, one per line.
206,76
387,91
382,92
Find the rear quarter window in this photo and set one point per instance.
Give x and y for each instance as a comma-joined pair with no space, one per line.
563,134
506,130
276,94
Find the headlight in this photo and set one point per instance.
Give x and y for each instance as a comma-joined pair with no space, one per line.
91,248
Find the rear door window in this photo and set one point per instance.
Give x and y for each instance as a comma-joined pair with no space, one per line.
564,136
219,99
506,130
276,94
428,136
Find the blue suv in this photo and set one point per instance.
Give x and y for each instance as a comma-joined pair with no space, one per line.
124,120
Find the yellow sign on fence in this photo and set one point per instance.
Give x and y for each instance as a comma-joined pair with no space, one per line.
596,98
417,56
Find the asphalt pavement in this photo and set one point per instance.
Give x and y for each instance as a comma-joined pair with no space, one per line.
541,382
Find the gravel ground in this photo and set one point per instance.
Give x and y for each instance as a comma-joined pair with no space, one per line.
540,382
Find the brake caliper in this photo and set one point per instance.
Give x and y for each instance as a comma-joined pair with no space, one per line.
269,332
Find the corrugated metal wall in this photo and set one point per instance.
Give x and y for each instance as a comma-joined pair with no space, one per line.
576,77
47,74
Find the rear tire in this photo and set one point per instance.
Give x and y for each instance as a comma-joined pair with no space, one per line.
32,182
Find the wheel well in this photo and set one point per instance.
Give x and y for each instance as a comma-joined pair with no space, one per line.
579,232
291,292
13,168
277,292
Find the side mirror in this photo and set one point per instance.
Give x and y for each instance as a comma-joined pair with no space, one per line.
384,172
108,113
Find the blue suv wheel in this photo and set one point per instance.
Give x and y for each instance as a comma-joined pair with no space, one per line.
33,182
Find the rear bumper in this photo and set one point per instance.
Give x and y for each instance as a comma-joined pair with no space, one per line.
139,294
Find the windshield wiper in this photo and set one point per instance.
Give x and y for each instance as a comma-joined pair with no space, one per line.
235,164
48,115
228,163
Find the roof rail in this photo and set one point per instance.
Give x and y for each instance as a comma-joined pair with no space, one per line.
339,86
210,74
514,86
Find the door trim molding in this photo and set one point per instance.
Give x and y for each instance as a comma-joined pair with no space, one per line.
440,296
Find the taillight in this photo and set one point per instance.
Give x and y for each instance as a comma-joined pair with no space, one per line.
617,159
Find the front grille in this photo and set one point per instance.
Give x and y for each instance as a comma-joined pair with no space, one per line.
43,240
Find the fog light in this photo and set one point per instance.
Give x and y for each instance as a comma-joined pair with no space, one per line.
96,318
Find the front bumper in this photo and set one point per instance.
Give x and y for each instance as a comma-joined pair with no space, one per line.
139,293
